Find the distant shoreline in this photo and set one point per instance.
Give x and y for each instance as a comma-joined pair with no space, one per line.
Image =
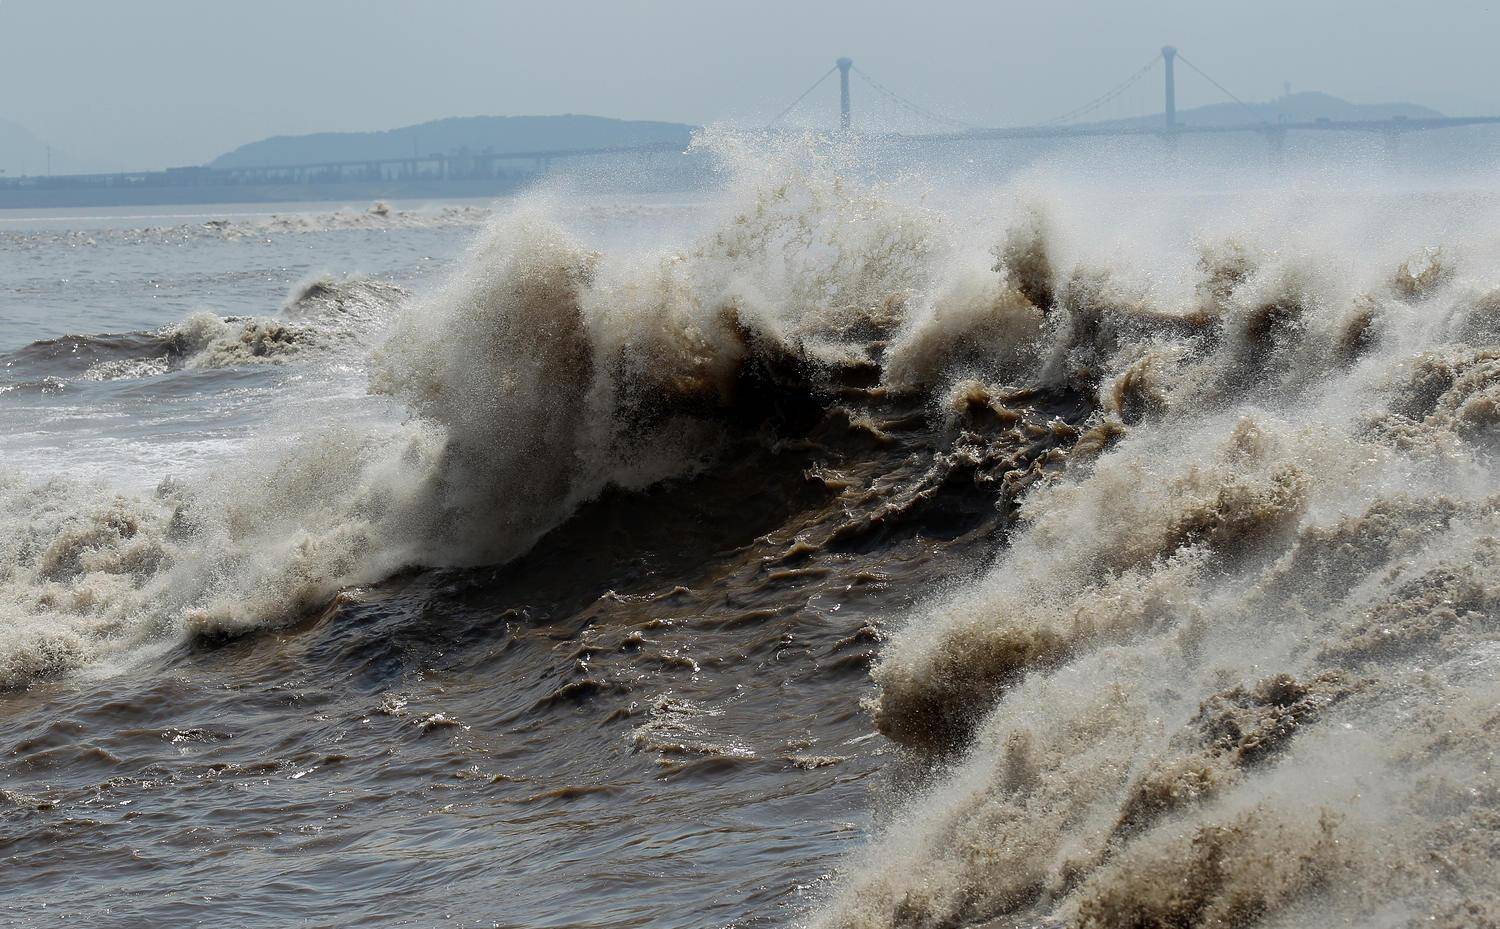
62,197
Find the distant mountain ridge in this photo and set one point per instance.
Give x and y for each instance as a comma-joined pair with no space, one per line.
1302,107
442,136
569,131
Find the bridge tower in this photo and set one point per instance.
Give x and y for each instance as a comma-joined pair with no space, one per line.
1169,55
844,64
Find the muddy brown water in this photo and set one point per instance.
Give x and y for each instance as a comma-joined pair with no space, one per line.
652,719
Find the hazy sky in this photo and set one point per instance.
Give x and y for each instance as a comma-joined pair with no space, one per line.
147,83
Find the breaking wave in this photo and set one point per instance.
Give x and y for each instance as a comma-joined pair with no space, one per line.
540,374
321,316
1233,665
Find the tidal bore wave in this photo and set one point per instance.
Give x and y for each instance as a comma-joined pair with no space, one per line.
1187,579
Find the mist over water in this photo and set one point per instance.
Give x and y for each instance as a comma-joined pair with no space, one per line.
873,541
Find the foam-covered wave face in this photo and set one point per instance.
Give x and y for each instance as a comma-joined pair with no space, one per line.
91,573
501,360
321,316
1235,663
556,371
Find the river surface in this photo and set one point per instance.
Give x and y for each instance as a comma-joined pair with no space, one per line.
836,548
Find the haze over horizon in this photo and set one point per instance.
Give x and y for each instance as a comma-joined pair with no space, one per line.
125,79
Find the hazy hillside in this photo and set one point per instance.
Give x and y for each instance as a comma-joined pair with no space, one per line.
1294,108
476,133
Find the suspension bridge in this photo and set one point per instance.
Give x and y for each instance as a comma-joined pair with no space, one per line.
486,173
1068,125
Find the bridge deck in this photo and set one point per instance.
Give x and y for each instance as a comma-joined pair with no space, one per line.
486,164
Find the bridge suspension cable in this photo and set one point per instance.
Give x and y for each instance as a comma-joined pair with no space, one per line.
1105,97
909,105
1225,90
1072,115
802,96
